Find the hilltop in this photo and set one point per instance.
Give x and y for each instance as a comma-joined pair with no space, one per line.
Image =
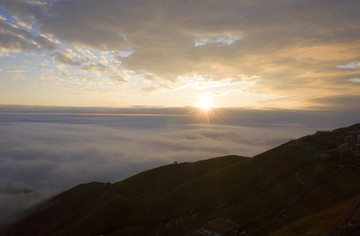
307,186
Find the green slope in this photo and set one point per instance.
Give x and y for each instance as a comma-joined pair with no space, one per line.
163,179
330,220
98,208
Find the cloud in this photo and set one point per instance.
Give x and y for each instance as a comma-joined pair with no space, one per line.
11,190
355,80
47,43
66,59
12,205
12,37
340,103
19,39
221,40
351,65
15,71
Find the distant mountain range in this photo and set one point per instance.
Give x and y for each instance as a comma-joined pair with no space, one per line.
307,186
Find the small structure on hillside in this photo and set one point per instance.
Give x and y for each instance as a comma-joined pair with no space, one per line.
221,227
218,227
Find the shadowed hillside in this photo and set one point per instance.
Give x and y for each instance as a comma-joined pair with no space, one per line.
308,186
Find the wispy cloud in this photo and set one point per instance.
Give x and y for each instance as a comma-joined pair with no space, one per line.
351,65
15,71
355,80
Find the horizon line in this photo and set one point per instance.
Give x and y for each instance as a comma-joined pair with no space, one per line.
91,114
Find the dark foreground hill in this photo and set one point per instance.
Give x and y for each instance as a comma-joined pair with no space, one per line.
308,186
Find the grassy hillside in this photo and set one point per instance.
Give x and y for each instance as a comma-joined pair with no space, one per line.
329,220
306,186
98,208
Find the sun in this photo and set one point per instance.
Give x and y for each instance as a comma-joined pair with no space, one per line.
205,103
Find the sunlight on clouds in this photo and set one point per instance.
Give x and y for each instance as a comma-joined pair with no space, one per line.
126,53
351,65
200,42
103,60
322,52
310,75
15,71
4,52
208,82
28,25
226,40
222,40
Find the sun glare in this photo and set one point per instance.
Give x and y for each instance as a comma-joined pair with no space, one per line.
205,103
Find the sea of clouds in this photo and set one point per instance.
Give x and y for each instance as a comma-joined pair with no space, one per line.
42,153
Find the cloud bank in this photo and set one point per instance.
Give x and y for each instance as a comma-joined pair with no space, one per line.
45,150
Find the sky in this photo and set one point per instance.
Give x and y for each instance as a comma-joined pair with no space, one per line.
283,54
